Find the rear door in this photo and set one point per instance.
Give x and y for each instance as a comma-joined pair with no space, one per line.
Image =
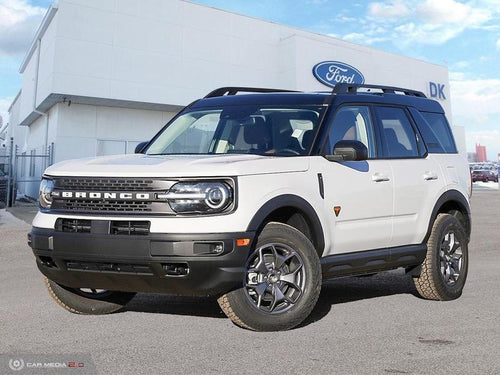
358,195
417,177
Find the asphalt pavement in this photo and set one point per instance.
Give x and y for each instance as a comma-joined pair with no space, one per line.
369,325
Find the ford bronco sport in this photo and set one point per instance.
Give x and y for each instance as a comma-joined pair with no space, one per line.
255,196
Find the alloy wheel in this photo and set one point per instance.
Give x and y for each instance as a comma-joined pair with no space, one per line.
451,260
275,278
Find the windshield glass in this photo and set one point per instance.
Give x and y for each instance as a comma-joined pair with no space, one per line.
240,130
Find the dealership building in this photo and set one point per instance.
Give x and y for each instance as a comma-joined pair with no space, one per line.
103,75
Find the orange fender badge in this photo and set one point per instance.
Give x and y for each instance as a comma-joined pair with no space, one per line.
337,209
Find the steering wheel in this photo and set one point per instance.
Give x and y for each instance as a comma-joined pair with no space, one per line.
287,150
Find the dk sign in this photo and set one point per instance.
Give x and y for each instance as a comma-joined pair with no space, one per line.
436,90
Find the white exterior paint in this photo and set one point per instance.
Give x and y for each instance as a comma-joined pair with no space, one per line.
119,70
383,214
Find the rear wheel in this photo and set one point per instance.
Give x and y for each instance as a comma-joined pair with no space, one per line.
281,285
88,301
444,269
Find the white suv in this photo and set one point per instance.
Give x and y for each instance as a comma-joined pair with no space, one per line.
255,198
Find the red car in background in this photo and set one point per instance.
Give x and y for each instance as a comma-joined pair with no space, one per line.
483,175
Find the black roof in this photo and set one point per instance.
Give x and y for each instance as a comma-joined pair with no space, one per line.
343,93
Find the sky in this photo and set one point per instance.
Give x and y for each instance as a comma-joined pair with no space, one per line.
462,35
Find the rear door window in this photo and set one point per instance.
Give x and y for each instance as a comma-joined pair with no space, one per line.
398,136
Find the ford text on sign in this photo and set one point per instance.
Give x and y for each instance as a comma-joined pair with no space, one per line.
332,72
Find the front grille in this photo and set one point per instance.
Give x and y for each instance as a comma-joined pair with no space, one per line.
121,227
112,184
73,225
108,267
140,228
105,206
90,195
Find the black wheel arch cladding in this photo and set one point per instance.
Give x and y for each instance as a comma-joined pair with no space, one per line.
455,200
300,204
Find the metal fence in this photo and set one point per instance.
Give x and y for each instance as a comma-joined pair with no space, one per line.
22,171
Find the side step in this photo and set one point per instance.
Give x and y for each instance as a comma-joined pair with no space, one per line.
371,261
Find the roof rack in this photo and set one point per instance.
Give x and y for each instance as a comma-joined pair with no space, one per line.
349,88
234,90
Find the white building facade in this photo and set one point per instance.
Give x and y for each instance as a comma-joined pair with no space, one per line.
104,75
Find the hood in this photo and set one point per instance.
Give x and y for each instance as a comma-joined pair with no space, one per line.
140,165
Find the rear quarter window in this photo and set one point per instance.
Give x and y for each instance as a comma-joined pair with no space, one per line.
436,132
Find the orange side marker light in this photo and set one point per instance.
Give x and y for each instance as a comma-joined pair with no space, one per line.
242,242
337,209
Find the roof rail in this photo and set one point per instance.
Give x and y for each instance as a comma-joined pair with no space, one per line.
349,88
234,90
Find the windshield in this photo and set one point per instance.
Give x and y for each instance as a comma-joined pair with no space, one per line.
240,130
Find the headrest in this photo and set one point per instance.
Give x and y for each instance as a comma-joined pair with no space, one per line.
307,138
257,133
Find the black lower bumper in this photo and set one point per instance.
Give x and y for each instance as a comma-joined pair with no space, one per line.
180,264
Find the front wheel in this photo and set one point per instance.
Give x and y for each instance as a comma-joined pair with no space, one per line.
282,282
87,301
444,269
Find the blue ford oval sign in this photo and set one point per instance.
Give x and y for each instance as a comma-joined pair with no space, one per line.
332,72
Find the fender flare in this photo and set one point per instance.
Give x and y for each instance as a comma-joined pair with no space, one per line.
290,200
451,196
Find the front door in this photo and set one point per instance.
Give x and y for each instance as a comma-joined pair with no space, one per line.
358,194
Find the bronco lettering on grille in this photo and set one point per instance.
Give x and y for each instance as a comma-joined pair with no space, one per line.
105,195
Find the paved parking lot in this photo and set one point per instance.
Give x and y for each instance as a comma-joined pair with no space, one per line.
370,325
490,185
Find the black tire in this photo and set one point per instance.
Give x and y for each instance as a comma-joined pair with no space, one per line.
80,302
262,312
447,250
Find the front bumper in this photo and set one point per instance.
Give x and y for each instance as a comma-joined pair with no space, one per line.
154,263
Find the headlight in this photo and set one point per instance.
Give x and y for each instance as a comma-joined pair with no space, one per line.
45,197
200,197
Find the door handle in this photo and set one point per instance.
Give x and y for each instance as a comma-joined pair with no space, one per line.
430,176
379,177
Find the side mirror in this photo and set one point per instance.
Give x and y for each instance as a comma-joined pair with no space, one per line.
140,147
348,151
